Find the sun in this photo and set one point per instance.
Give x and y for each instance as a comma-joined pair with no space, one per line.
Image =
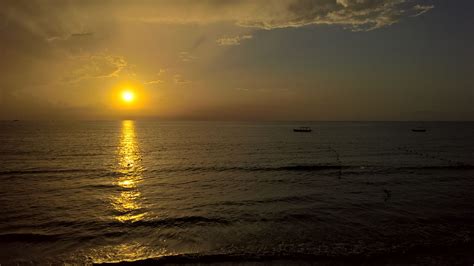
128,96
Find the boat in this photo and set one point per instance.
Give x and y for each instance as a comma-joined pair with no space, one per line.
418,130
302,129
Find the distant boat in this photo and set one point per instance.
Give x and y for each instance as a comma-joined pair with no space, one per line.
418,130
302,129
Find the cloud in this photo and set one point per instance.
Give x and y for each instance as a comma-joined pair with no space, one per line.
82,34
70,36
344,3
233,41
186,57
421,9
95,66
355,15
158,79
178,79
154,82
67,18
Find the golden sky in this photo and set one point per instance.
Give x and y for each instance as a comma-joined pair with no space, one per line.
234,60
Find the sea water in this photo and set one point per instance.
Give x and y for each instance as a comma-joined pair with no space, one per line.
111,191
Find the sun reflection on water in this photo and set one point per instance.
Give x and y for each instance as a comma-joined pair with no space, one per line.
129,202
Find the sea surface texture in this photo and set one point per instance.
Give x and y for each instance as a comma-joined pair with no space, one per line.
93,192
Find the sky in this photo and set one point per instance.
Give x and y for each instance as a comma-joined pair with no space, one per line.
318,60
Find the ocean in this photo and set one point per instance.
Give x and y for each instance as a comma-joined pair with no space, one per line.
114,191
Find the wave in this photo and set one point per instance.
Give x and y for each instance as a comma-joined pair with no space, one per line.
100,186
288,199
446,254
49,171
28,237
340,168
177,222
165,222
289,168
105,172
41,238
82,155
387,170
109,228
439,167
329,169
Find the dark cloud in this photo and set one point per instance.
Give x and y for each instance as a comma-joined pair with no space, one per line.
63,18
356,15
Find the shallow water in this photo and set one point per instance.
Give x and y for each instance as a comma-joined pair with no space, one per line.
130,190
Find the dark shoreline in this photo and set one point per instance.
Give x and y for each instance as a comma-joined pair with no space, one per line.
454,255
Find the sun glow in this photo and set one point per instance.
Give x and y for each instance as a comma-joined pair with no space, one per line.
128,96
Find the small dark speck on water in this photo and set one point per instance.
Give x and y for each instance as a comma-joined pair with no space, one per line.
388,194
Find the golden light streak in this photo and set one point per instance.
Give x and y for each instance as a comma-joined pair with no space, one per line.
128,202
